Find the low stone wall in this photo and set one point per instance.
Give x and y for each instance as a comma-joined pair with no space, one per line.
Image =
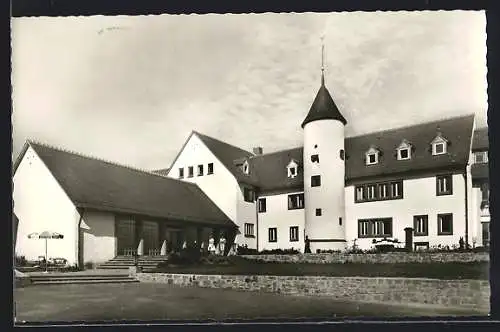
393,257
451,293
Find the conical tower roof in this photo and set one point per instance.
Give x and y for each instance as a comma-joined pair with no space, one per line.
323,107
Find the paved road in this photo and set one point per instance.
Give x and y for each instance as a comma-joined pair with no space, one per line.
143,301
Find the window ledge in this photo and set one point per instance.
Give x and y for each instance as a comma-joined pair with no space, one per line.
250,236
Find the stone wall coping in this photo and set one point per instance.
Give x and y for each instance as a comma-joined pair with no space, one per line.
330,277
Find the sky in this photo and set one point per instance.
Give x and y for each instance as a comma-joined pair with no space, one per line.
130,89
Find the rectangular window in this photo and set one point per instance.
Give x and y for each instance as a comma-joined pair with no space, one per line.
486,233
404,154
371,192
340,221
315,158
273,234
380,227
359,193
439,148
262,205
315,181
248,195
445,224
318,212
190,171
397,189
294,233
420,225
181,173
481,157
200,170
249,230
382,190
210,168
295,201
371,159
444,185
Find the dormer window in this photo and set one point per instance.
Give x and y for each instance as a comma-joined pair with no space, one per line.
372,156
246,167
439,145
292,169
404,150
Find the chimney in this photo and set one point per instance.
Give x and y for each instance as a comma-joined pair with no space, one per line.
257,151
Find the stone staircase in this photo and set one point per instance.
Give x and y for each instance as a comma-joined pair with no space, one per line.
124,262
75,278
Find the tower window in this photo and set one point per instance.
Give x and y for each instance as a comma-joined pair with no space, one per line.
315,158
340,221
315,181
342,154
200,170
181,173
210,168
318,212
190,171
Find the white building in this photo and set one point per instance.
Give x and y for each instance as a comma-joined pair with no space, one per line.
336,190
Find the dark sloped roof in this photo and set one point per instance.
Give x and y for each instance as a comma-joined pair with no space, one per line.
480,171
103,185
457,131
480,139
271,168
323,107
227,155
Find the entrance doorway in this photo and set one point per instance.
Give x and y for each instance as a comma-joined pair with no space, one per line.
125,238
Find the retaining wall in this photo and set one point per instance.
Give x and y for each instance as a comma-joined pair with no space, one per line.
450,293
393,257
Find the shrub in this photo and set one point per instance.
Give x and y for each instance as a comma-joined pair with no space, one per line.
20,261
244,250
279,252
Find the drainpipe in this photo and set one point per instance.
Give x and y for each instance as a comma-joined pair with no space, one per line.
466,210
78,248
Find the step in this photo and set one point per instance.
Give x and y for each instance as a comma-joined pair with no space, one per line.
88,277
98,281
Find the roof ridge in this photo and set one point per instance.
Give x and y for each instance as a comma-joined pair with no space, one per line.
221,141
276,152
414,125
76,153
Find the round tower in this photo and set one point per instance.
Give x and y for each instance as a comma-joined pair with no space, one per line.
324,171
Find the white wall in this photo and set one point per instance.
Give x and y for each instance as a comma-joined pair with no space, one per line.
246,213
41,205
221,186
328,135
475,222
99,240
419,199
277,215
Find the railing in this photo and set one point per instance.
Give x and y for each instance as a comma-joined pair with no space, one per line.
154,252
129,252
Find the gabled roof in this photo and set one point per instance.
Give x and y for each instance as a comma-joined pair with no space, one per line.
227,155
480,140
457,132
98,184
271,168
480,171
323,107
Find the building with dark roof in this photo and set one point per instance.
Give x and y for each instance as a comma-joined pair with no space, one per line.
418,186
342,191
104,209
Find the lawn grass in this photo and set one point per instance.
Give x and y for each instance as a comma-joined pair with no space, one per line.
154,302
241,266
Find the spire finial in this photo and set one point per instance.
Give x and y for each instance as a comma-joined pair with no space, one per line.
322,60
